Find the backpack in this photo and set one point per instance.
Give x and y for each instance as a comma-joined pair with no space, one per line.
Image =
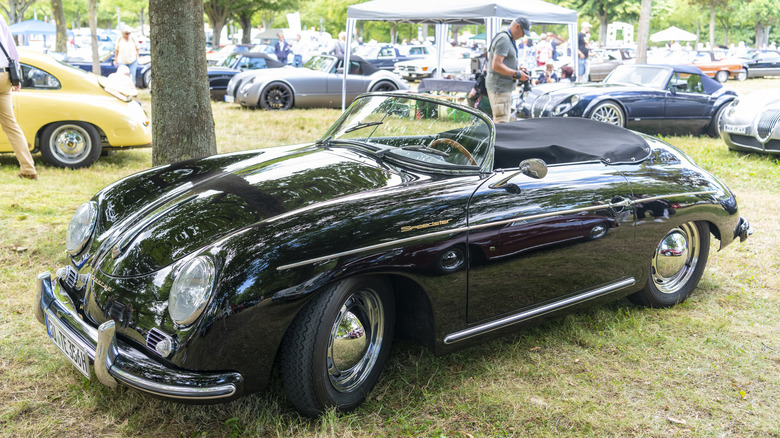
480,85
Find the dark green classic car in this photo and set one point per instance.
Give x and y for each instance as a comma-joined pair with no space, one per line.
411,217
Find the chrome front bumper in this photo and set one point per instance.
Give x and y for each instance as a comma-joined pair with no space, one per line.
118,362
743,229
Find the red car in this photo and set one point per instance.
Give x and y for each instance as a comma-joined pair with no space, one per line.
720,68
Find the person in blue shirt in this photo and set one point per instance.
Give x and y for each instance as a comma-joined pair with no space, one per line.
282,49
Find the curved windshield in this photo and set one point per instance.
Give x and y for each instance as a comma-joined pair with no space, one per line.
414,130
320,63
647,75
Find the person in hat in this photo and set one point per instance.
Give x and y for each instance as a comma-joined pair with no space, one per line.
7,118
582,51
127,51
502,68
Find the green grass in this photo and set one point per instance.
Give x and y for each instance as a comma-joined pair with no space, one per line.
709,367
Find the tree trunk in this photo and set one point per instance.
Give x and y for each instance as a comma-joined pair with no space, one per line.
92,12
62,27
643,33
245,20
712,26
218,16
726,29
603,25
182,123
759,33
141,20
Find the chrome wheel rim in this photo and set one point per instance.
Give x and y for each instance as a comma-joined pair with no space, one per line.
722,76
608,113
675,258
71,144
277,97
355,340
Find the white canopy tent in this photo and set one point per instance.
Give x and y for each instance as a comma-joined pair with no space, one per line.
672,34
442,13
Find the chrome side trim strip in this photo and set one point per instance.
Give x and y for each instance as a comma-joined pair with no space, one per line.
533,313
624,203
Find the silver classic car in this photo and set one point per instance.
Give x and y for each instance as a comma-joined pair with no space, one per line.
317,84
751,123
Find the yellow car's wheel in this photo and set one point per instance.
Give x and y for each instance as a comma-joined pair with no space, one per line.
70,144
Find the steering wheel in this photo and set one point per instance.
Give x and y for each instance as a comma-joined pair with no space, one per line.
457,146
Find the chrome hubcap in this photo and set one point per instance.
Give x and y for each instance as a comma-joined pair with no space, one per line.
355,340
608,114
675,258
70,143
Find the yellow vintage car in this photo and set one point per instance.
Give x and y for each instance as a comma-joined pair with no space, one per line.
71,116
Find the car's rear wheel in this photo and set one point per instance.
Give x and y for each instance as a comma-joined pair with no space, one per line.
609,112
276,96
70,144
335,349
741,76
722,76
676,266
383,86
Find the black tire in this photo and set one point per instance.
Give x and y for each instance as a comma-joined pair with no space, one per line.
713,130
70,144
722,76
382,86
147,79
676,267
276,96
319,365
609,112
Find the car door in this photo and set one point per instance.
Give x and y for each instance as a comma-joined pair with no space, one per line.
538,241
686,101
386,58
356,83
767,64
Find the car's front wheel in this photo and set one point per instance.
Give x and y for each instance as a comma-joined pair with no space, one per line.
713,129
70,144
722,76
276,96
609,112
335,349
741,76
676,266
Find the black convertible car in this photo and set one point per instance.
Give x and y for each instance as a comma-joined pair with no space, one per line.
236,62
410,217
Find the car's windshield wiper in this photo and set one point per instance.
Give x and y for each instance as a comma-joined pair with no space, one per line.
361,125
324,142
416,148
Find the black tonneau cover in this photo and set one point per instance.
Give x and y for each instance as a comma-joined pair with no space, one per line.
566,140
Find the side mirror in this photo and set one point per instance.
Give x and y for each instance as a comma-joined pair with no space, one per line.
534,168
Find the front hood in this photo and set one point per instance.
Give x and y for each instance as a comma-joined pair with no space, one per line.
284,73
216,71
196,213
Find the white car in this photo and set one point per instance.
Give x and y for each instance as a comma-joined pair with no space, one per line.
456,60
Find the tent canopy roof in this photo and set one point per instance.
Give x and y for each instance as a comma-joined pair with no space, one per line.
460,11
672,34
33,27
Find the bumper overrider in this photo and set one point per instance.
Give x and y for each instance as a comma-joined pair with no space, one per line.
116,361
743,229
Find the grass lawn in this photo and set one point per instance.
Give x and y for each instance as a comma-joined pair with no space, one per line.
709,367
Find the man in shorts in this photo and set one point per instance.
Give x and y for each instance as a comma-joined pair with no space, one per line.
502,68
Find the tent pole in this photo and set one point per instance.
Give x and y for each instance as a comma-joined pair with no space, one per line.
347,53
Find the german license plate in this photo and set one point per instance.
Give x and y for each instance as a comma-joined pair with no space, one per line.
229,98
734,129
69,347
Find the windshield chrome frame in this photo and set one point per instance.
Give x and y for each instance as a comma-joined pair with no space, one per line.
487,163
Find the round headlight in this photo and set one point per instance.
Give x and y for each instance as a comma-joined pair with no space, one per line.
575,99
80,228
246,85
190,290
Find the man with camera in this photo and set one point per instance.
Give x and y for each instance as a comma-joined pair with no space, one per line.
502,68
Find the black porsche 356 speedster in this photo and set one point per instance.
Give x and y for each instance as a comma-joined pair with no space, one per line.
410,217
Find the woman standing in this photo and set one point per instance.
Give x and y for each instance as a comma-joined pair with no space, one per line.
7,118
